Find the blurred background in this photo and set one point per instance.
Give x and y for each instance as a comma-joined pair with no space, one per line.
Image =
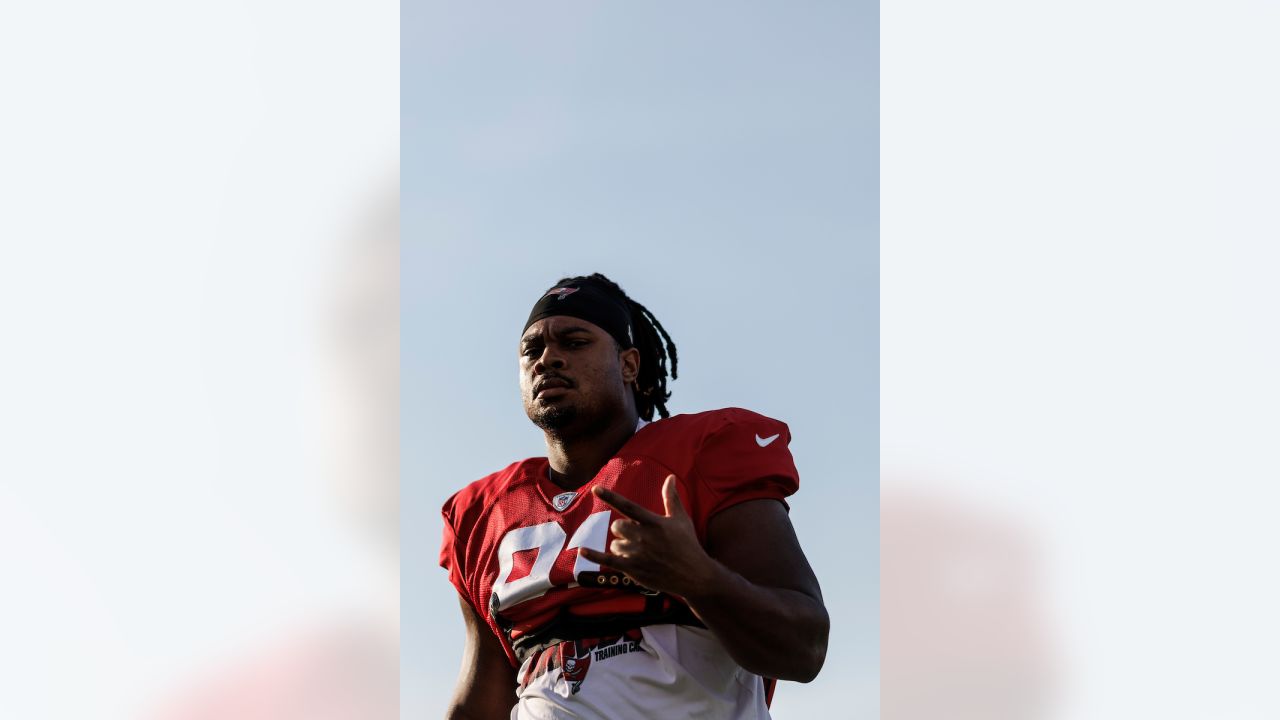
1078,359
199,296
719,161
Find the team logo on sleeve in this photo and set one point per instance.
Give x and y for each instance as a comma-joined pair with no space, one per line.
764,441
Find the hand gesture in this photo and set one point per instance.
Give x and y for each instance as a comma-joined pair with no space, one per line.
659,552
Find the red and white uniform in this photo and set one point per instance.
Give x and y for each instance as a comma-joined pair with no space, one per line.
510,546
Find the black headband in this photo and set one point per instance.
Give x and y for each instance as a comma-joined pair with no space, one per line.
588,301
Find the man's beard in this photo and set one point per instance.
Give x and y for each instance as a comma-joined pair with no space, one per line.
555,418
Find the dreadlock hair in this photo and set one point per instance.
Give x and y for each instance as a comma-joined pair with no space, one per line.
655,345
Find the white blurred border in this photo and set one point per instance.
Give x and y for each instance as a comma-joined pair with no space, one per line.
180,184
1079,353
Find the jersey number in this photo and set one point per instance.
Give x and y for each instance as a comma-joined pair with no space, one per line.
548,540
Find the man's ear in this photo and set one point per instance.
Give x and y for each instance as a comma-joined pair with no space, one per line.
629,359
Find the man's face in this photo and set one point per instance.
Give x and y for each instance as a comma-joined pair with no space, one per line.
573,377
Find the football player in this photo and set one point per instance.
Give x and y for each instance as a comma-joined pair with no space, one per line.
645,568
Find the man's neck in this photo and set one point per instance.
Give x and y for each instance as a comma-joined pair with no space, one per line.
575,461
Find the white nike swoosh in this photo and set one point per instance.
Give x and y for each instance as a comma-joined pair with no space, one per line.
765,441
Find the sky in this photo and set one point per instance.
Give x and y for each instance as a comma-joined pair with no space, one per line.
720,162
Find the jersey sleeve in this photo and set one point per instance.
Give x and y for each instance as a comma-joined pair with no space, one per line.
745,458
451,552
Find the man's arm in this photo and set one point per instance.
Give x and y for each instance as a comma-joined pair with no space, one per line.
762,599
752,586
486,687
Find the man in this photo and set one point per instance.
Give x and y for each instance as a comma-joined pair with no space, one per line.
644,568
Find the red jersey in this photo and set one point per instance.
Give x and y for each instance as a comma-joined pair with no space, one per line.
511,538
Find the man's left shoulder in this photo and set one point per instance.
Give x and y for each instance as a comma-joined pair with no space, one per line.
711,422
680,439
733,455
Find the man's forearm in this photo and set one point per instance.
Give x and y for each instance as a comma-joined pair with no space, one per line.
774,632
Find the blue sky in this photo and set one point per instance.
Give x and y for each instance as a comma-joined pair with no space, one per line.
720,162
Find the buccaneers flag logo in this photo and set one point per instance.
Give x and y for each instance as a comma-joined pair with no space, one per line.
574,663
